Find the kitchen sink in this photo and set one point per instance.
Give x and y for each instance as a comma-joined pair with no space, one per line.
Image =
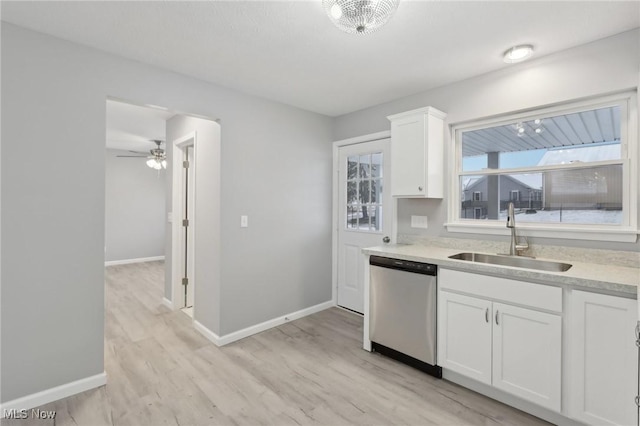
515,261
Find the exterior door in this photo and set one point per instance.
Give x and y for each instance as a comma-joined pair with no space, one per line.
364,213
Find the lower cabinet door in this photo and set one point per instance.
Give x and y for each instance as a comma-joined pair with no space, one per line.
464,335
527,354
604,359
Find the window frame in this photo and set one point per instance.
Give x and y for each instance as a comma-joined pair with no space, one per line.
627,231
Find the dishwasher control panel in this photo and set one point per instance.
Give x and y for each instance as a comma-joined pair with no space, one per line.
404,265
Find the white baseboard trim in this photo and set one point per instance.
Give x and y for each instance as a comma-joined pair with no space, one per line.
210,335
128,261
46,396
254,329
168,303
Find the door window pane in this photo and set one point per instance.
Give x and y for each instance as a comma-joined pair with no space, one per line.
364,192
352,167
376,165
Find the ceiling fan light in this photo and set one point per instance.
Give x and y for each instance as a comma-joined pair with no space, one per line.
360,16
151,163
164,164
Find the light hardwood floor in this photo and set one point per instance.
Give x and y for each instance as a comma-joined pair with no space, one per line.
309,371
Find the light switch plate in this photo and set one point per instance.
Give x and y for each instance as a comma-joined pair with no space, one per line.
170,217
419,222
244,221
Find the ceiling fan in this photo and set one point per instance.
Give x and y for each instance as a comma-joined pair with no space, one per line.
158,158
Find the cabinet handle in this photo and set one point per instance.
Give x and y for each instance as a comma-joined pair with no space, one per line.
419,188
486,315
497,314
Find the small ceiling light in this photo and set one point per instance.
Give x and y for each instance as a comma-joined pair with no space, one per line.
360,16
518,53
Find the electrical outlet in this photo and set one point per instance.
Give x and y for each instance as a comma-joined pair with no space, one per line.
244,221
419,222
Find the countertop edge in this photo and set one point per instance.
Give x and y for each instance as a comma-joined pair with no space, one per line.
439,256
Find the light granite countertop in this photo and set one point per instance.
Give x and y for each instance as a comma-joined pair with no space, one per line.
622,280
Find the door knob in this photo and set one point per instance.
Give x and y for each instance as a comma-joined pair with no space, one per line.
419,188
386,240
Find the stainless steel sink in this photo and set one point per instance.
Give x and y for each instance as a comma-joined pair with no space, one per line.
515,261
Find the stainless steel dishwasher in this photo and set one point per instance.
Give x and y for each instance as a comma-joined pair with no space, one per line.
402,311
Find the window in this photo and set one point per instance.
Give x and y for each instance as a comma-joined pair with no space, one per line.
565,168
364,192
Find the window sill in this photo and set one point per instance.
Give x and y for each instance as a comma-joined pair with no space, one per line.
569,232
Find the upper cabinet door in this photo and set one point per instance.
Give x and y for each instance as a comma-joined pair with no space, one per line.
417,153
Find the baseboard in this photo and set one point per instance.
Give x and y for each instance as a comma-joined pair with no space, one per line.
50,395
254,329
168,303
128,261
210,335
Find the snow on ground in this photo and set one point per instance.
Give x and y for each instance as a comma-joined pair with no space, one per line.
568,216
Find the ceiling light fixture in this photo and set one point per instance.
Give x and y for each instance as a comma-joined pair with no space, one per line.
518,53
360,16
158,158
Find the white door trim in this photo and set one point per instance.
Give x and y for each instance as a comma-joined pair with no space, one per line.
176,207
335,215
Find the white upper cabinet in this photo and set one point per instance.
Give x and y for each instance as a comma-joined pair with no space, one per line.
417,153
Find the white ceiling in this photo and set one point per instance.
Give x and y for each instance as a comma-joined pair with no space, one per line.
131,127
289,51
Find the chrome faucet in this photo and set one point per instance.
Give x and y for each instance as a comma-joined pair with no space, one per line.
514,247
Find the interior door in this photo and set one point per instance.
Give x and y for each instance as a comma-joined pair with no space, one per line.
364,213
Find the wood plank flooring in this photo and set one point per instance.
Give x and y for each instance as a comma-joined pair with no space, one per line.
309,371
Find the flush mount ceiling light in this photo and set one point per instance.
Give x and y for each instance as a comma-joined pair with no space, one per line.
360,16
518,53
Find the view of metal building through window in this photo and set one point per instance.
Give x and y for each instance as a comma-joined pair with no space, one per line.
364,192
558,169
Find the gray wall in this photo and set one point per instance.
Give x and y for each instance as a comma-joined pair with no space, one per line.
134,208
598,68
54,102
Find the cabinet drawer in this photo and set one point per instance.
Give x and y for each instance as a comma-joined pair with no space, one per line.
503,289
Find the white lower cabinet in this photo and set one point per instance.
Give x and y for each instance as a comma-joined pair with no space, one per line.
514,349
603,368
464,335
527,355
